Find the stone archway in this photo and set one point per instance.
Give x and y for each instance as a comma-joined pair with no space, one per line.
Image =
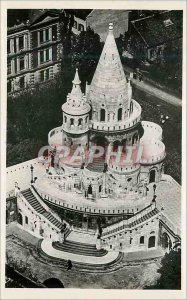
166,241
53,283
90,189
120,114
151,241
20,219
152,175
102,115
134,138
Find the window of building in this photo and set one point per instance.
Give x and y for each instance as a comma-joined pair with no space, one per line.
41,36
80,122
22,63
8,46
9,67
119,114
22,82
26,220
81,27
142,240
9,86
41,56
44,36
71,121
45,55
21,42
42,75
47,74
102,118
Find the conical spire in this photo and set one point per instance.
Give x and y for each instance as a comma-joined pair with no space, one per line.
76,101
76,93
76,79
109,85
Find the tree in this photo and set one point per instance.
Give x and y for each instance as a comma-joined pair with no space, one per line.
85,52
170,271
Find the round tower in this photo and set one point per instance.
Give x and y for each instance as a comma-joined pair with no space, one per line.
75,114
115,115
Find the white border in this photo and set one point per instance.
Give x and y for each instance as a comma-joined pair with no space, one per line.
87,293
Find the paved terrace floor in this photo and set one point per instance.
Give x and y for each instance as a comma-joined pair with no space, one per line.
168,193
47,247
50,187
21,173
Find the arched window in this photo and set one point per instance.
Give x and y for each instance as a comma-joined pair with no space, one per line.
131,107
120,114
71,121
65,119
80,121
142,240
102,115
151,242
26,220
86,120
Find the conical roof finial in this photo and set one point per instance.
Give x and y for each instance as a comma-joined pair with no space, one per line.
76,79
110,26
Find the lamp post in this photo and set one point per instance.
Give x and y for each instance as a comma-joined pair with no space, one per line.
163,119
32,168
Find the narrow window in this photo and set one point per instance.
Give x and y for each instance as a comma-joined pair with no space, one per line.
22,82
142,240
22,63
119,114
102,115
21,43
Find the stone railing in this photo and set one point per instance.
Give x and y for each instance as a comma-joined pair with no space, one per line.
154,129
75,129
158,147
112,229
54,132
125,169
68,201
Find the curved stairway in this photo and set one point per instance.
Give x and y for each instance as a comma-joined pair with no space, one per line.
79,248
41,256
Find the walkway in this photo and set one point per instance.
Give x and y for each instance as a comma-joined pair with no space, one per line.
47,247
82,237
168,193
156,92
21,174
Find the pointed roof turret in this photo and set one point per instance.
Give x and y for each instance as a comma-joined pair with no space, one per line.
76,80
76,101
109,84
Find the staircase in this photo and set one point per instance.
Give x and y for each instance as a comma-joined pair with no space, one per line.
97,165
116,264
33,201
133,223
79,248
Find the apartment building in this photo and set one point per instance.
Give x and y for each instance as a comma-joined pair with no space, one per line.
34,48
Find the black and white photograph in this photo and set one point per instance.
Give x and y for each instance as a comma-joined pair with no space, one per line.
93,141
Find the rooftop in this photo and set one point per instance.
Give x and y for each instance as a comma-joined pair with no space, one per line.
157,29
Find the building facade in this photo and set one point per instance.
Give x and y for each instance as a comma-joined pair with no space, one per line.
35,50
